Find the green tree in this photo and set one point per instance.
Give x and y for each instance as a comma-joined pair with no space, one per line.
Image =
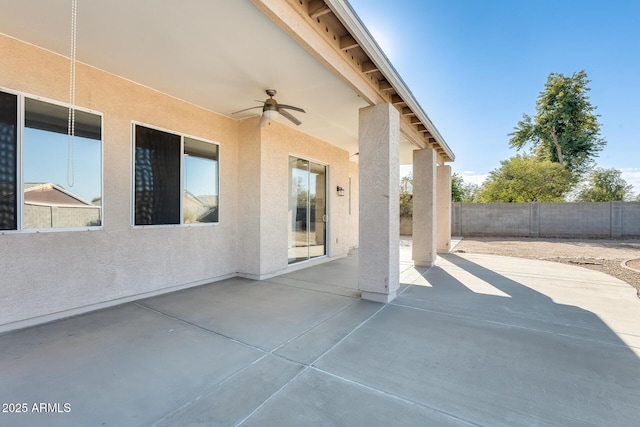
406,198
406,205
470,193
565,128
406,184
456,187
462,191
605,185
526,179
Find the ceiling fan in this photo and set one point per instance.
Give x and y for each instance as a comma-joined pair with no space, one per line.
271,109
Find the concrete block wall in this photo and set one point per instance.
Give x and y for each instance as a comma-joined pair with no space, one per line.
631,219
42,216
613,220
492,219
575,220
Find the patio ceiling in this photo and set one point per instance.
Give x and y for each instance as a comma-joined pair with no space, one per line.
217,54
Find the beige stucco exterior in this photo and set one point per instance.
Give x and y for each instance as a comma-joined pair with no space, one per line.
57,273
194,81
264,181
443,209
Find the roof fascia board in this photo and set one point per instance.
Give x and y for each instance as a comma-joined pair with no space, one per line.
345,13
412,134
298,27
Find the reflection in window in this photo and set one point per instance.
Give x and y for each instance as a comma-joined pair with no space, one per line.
8,161
200,199
158,158
62,176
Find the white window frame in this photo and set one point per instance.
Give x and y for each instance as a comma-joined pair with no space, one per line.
133,177
20,164
328,202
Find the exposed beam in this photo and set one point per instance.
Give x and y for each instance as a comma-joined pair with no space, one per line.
317,8
396,100
422,128
406,111
411,134
384,85
348,42
369,67
415,121
352,23
296,23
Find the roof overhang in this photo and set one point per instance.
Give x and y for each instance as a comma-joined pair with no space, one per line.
221,55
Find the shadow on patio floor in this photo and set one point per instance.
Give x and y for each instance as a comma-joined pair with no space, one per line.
477,340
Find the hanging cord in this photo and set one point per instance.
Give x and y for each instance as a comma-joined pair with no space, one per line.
72,100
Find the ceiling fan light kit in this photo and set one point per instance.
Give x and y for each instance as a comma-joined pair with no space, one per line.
271,110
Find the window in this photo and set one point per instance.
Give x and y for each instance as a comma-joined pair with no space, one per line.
200,199
307,209
60,176
8,161
176,179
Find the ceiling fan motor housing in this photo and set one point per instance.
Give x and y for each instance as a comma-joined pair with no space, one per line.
270,105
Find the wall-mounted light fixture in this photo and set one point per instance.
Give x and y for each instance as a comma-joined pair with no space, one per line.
340,191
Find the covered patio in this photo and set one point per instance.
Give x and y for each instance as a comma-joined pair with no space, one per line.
475,340
181,172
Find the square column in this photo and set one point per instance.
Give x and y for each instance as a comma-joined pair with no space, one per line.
424,207
443,207
379,231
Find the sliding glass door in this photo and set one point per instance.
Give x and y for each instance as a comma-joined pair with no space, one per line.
307,209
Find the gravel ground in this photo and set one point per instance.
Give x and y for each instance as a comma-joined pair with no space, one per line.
618,258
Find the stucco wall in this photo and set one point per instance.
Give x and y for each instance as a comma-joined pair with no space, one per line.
580,220
58,272
353,206
249,191
50,272
278,142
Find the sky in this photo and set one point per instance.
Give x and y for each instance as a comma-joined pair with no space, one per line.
46,160
476,66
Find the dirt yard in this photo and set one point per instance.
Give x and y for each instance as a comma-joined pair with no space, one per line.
619,258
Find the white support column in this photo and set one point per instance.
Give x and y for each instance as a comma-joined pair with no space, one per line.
443,214
424,207
379,169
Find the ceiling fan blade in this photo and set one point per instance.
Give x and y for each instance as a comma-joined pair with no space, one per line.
290,107
263,121
247,109
290,117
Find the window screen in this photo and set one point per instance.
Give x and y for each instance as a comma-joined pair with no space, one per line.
157,177
8,160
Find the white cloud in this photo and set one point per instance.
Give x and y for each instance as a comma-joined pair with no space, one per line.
632,176
472,178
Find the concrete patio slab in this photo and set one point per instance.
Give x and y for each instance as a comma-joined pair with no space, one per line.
475,340
317,341
341,273
230,401
319,399
261,314
490,373
122,366
460,287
